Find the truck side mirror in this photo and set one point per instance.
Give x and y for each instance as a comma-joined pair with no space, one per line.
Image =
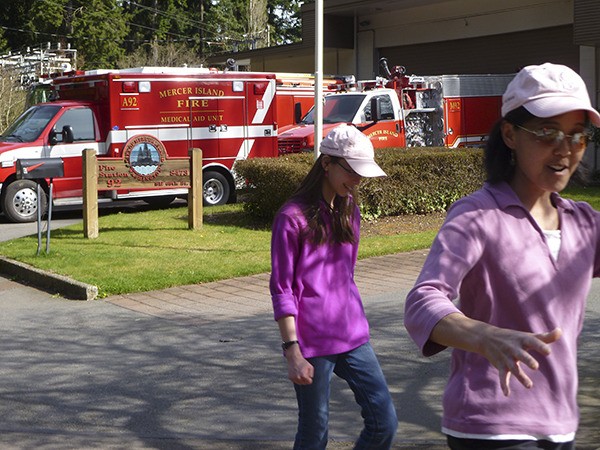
67,134
297,112
375,109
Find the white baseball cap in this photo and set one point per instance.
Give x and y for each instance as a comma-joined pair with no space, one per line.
345,141
548,90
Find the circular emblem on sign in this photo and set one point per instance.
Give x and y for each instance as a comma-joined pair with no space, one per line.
144,156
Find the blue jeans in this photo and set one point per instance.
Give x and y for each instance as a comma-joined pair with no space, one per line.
363,374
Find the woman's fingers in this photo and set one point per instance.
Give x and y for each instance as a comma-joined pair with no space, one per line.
538,343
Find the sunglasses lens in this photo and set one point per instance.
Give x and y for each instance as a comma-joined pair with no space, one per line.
550,136
579,139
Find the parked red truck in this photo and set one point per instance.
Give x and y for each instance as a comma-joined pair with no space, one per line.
407,110
229,115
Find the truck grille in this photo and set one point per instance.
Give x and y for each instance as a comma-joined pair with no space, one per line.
289,146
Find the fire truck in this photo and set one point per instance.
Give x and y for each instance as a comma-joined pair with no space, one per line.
162,111
402,110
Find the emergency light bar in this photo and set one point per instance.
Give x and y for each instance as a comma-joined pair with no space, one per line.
343,83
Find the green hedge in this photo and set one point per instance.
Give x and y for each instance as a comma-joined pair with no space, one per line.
419,181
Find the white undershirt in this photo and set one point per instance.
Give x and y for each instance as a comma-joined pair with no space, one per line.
553,239
510,437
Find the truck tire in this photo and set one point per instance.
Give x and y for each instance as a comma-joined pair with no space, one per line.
215,189
19,201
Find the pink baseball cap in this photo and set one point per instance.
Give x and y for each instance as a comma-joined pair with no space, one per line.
548,90
345,141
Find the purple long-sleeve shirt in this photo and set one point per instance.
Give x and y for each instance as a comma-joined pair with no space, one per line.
315,284
492,255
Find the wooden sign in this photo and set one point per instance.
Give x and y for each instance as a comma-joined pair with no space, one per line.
144,165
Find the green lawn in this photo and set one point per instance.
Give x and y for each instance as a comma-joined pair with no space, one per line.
154,249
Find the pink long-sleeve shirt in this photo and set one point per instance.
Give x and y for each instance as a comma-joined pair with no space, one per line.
315,284
491,254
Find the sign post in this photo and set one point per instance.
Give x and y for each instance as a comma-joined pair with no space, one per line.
196,193
90,194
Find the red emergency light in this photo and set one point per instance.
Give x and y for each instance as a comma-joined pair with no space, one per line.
129,87
260,88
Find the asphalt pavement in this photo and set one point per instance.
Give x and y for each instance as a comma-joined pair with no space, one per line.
200,367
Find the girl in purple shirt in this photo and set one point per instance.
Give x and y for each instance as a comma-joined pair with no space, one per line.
519,259
315,299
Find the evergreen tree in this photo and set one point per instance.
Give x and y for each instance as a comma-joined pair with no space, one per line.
284,21
153,21
47,21
105,31
13,19
228,21
98,29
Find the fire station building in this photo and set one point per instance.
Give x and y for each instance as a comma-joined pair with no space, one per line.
431,37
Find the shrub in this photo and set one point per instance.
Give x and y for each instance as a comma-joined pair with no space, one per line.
271,181
419,181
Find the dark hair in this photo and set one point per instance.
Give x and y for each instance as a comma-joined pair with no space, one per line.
310,193
499,165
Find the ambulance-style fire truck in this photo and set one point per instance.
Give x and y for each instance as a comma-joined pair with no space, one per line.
148,111
402,110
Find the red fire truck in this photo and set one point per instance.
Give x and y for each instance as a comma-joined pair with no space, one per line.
147,111
407,111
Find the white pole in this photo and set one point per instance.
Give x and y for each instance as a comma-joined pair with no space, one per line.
318,76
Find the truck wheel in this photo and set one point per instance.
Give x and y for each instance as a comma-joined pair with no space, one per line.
215,189
19,201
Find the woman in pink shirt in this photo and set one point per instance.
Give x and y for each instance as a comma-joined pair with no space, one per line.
315,299
518,260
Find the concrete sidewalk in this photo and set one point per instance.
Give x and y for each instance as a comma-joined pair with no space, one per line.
199,367
240,297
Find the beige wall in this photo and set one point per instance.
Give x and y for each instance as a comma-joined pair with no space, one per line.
335,62
462,19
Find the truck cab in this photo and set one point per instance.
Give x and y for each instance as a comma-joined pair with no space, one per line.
48,130
377,113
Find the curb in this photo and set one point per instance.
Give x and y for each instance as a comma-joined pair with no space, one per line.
47,281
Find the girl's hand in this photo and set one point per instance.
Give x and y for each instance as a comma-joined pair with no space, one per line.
300,371
507,349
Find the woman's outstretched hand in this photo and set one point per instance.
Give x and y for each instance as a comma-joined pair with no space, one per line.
508,349
504,348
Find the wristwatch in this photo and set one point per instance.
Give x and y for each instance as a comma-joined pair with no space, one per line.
288,344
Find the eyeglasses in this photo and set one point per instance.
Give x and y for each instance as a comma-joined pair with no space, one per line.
554,137
347,169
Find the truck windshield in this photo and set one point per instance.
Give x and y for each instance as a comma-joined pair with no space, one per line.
30,124
342,108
